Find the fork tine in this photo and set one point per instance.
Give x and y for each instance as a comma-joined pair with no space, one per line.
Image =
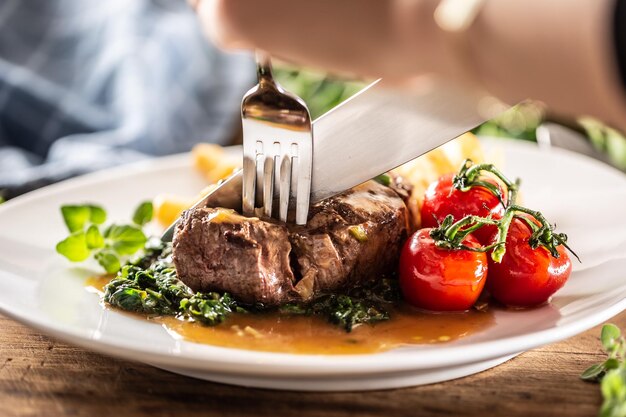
268,185
249,185
304,186
285,185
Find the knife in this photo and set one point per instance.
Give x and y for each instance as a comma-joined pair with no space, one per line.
372,132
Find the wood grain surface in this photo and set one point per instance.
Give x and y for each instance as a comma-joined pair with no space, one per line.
42,377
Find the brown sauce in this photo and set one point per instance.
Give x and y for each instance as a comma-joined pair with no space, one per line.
274,332
96,283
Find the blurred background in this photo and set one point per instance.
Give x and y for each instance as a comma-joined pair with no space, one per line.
86,85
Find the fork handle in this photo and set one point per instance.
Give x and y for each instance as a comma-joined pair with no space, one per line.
264,68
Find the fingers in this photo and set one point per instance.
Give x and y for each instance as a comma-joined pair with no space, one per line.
366,37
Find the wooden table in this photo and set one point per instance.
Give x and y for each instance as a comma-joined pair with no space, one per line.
42,377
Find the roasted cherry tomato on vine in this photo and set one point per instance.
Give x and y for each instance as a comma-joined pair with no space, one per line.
439,279
442,199
527,277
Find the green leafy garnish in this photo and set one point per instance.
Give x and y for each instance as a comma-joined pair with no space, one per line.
362,305
209,309
348,312
143,213
97,215
156,290
76,217
109,245
108,260
74,247
94,238
384,179
611,373
125,239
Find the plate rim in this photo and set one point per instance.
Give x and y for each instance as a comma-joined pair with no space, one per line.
255,362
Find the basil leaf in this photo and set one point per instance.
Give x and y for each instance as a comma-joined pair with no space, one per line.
126,240
75,217
108,261
74,247
143,213
94,238
610,333
97,215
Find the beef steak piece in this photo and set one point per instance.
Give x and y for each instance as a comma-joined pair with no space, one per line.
219,250
349,239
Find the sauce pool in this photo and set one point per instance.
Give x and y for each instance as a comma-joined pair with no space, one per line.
274,332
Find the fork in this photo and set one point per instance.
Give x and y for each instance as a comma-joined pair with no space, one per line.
277,148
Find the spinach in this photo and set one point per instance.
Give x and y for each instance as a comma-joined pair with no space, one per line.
149,285
211,308
363,305
347,312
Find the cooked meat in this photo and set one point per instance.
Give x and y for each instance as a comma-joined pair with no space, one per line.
217,249
349,239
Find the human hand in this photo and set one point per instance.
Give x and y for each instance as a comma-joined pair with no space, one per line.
395,39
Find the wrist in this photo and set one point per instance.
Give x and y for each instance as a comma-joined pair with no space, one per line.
557,51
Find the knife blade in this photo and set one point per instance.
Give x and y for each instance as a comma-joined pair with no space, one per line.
372,132
380,129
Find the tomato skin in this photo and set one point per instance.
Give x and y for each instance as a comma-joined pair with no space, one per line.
441,199
439,279
527,277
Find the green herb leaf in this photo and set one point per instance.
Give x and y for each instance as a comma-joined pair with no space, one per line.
593,372
97,215
75,217
74,247
143,213
383,179
610,333
109,261
125,240
613,389
611,373
94,238
610,364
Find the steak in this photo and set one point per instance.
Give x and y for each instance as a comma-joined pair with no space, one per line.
350,239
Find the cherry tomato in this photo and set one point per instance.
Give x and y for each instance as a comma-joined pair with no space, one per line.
442,198
527,277
440,279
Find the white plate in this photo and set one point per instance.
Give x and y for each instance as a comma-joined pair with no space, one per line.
42,290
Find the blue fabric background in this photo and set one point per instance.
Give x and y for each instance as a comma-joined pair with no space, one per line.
86,84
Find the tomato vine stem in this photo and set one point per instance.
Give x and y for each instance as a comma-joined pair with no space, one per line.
450,234
470,176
